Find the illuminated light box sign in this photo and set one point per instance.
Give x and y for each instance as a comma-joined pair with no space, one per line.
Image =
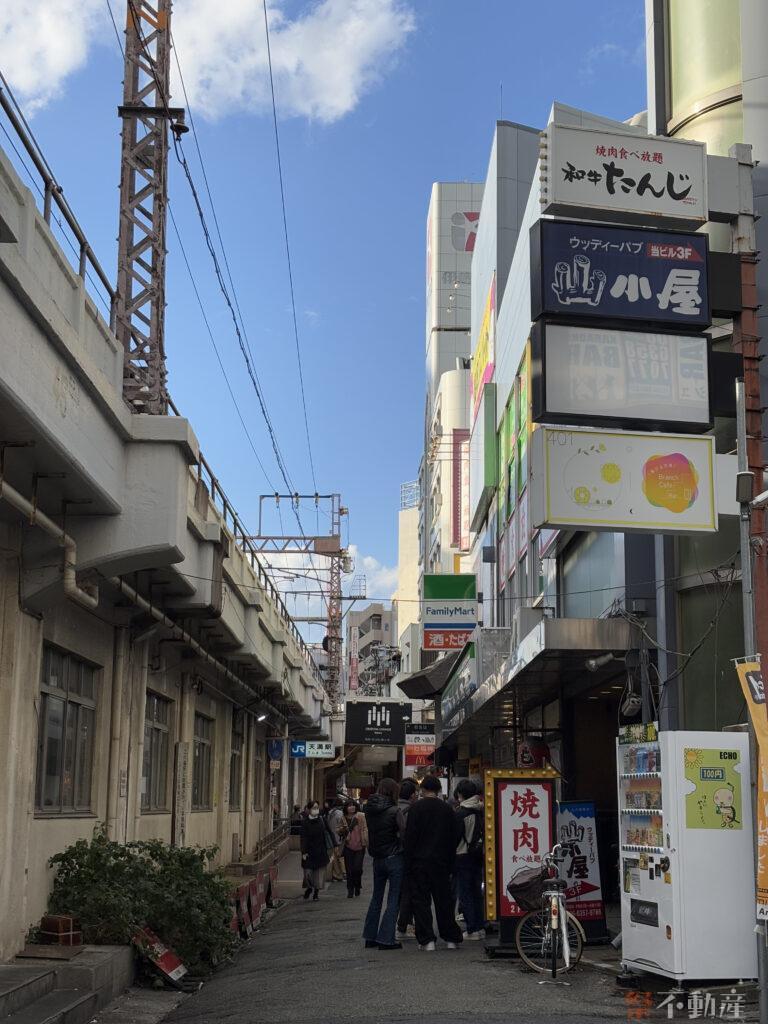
449,610
376,722
591,270
617,480
610,175
598,376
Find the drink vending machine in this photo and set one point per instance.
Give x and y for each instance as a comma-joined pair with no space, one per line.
686,847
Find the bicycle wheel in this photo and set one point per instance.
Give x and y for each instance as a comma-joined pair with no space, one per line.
542,951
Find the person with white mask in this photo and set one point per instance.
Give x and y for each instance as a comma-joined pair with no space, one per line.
316,843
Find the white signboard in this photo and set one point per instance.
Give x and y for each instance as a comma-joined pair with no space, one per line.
576,825
320,749
624,375
617,480
622,176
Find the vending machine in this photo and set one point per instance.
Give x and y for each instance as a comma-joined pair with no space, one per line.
686,844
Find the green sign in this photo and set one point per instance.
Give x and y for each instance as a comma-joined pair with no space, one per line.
716,800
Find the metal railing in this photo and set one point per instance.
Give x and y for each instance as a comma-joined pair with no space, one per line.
270,842
53,195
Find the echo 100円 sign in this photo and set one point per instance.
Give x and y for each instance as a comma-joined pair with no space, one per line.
613,175
617,480
596,270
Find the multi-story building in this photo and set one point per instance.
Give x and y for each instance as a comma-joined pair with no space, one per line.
452,220
147,661
371,648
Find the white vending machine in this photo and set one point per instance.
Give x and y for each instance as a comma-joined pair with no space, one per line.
686,842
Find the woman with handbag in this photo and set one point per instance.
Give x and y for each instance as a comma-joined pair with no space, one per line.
353,832
316,840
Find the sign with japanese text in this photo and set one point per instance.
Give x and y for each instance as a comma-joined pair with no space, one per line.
484,356
354,672
419,745
524,815
312,748
590,270
376,722
462,683
617,480
459,499
581,868
450,610
614,175
752,684
600,376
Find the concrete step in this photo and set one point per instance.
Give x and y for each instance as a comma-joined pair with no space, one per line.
62,1006
21,985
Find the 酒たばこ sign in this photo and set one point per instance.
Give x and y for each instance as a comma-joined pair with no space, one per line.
450,611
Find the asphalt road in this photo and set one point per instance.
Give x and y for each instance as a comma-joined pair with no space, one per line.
309,966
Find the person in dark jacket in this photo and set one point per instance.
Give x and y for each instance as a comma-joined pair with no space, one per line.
385,845
315,842
409,794
430,851
469,858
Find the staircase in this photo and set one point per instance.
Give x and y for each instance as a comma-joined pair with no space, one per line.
55,991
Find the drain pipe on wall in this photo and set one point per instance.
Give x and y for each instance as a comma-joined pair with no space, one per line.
86,595
115,733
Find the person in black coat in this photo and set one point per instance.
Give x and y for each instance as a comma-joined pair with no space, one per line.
315,842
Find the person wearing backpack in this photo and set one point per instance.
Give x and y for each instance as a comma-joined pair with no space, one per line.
470,859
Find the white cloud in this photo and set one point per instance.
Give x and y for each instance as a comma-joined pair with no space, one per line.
42,42
380,579
325,56
598,57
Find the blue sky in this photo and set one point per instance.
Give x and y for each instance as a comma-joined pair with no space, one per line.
377,99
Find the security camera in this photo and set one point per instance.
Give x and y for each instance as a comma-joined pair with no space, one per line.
760,501
593,664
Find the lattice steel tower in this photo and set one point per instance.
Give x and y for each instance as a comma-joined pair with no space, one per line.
146,116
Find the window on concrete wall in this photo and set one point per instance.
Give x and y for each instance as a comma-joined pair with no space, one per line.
236,762
202,763
66,733
592,575
259,774
154,765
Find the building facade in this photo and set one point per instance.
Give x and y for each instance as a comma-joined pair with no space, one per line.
150,674
370,649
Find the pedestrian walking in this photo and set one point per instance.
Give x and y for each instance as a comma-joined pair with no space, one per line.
334,819
353,833
430,849
470,859
316,841
385,845
409,794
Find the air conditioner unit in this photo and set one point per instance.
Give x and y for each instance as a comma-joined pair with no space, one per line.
523,621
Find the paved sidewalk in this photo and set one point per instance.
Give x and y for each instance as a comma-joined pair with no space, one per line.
308,965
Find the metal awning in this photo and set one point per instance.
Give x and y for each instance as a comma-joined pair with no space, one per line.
549,659
428,682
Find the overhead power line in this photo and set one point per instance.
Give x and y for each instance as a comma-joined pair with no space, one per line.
287,243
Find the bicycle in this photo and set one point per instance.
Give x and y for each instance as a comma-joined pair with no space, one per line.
547,937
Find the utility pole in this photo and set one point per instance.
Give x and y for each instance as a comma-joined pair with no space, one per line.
749,445
328,546
146,115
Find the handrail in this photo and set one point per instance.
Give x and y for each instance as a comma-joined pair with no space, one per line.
273,839
53,193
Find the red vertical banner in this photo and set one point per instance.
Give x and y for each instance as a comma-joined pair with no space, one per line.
520,810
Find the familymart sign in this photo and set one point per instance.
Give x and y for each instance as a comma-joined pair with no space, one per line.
450,611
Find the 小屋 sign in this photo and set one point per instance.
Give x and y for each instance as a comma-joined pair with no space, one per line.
592,270
577,826
613,175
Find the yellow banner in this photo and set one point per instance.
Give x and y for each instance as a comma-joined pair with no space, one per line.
751,679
